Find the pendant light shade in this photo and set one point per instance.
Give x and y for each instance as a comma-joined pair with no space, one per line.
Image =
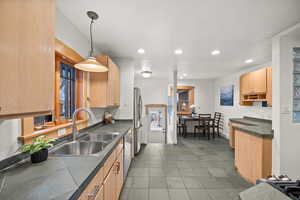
91,64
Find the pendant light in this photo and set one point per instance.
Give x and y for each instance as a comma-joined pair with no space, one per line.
91,64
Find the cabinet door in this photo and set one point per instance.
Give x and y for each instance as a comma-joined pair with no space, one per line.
109,186
269,86
244,83
117,86
98,89
259,81
27,56
100,194
110,90
119,173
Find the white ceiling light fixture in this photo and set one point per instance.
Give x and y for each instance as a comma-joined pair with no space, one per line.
215,52
146,74
91,64
180,77
249,61
184,74
178,51
141,51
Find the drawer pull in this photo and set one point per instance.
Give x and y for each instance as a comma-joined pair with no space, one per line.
94,193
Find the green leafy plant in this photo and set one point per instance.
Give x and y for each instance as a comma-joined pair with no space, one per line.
38,144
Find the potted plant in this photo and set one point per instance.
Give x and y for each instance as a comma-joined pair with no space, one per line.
38,149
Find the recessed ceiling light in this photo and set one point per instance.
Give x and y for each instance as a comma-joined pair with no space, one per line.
249,61
146,74
181,77
178,51
215,52
141,51
184,74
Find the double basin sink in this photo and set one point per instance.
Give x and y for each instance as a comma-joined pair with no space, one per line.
90,144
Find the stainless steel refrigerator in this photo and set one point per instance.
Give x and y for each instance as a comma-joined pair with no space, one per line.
137,112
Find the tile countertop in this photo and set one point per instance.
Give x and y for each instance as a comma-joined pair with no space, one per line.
58,178
262,191
254,126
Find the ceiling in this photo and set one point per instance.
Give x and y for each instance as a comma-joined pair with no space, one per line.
240,29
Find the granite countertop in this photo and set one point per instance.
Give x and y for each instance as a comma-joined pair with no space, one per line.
58,178
254,126
263,191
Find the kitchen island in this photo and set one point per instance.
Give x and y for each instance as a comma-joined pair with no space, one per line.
64,177
251,139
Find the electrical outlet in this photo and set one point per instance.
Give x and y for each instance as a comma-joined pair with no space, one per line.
61,132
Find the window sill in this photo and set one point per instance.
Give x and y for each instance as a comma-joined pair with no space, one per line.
46,131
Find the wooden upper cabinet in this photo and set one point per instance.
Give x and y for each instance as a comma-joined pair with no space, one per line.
269,86
256,86
259,78
105,87
27,56
254,82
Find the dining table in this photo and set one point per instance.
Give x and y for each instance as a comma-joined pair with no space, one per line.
186,118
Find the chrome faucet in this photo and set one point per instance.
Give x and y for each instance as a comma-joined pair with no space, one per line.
74,127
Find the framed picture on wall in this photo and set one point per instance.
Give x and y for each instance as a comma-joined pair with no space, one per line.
226,95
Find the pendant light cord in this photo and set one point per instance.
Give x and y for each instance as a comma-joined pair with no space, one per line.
91,36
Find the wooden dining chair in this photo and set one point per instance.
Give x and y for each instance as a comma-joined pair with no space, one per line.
203,124
215,125
181,127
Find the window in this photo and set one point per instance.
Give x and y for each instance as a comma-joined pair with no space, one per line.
65,94
67,91
185,96
296,96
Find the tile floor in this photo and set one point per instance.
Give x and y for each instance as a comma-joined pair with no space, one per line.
192,170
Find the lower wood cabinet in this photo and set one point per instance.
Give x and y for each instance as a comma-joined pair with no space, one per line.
108,182
253,156
232,134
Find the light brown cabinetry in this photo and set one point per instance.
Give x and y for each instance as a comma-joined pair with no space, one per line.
108,182
232,134
105,87
253,156
254,86
27,57
269,86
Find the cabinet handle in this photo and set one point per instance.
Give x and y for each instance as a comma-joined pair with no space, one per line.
0,108
118,167
94,193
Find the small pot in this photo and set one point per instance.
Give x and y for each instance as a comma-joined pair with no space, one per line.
39,156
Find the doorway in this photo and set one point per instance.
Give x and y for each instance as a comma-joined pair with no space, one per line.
157,123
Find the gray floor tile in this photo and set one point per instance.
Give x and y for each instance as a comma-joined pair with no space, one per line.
192,182
140,182
175,182
128,182
158,182
171,172
159,194
179,194
156,172
197,194
217,172
138,194
139,172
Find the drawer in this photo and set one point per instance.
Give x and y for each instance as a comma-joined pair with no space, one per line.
119,147
109,162
91,191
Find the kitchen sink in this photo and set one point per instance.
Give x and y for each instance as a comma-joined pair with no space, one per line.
79,148
100,137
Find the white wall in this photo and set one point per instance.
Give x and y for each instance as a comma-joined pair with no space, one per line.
236,110
125,111
154,91
204,93
286,133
